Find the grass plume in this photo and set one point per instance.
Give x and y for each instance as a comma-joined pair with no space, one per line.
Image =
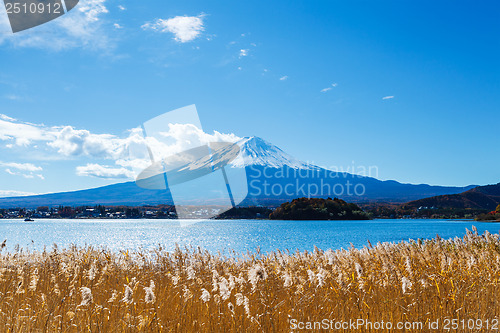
190,290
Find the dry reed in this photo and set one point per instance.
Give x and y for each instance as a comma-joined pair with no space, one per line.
190,290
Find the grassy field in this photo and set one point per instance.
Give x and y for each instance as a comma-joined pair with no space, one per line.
94,290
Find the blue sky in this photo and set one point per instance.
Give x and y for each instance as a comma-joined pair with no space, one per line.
409,87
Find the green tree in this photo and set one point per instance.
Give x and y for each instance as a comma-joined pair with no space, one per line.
498,209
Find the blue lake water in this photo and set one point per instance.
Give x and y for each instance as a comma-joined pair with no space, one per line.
217,235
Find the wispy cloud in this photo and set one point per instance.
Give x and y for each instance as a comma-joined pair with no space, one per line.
22,166
283,78
83,27
333,85
26,170
120,7
104,171
7,118
388,97
22,134
13,97
184,28
244,52
117,26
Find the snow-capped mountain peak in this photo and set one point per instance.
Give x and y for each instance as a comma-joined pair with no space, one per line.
257,151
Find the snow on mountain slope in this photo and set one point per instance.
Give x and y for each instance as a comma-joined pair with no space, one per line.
257,151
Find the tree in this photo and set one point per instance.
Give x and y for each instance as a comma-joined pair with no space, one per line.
67,212
498,209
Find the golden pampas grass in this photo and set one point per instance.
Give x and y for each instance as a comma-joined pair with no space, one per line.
89,289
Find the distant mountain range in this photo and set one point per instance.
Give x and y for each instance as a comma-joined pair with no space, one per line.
273,176
481,197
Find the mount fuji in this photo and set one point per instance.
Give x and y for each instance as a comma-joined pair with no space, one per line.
273,177
257,151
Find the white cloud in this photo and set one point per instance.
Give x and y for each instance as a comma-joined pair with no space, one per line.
22,166
129,153
13,193
134,165
26,170
177,138
184,28
25,175
388,97
7,118
329,88
120,7
283,78
81,27
12,97
72,142
104,171
117,26
21,133
244,52
186,136
66,140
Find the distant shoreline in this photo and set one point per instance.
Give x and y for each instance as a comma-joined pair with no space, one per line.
234,219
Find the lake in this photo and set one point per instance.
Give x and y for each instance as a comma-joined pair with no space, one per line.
226,235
